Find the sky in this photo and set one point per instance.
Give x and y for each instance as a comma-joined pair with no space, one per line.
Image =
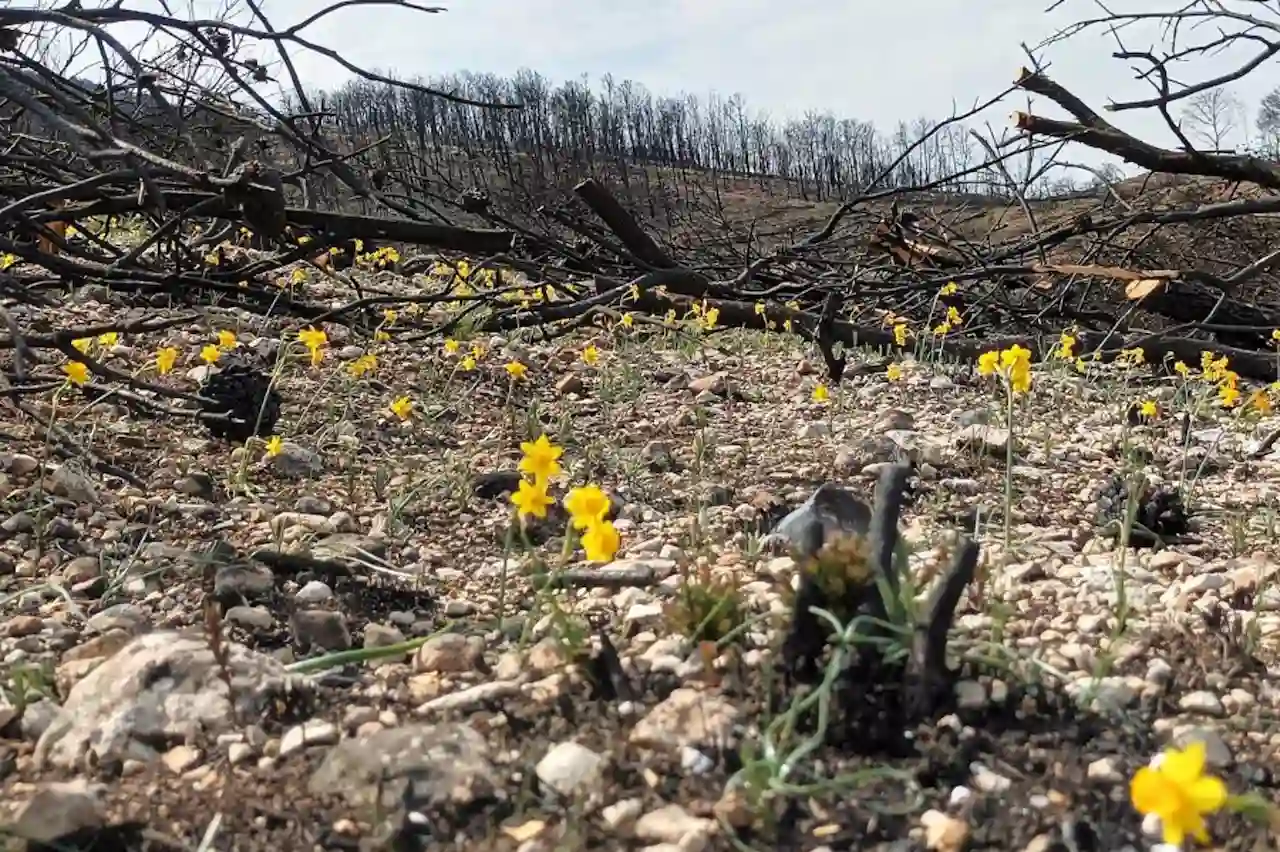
879,62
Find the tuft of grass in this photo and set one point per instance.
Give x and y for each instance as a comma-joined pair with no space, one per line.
708,608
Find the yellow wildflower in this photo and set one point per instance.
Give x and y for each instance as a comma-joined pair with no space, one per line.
1148,409
600,541
1014,364
820,393
516,370
949,289
627,320
900,331
468,363
109,338
586,505
1135,357
274,445
1213,369
364,364
77,373
402,407
210,354
1066,346
531,498
1178,791
1020,378
541,458
227,339
591,354
314,339
893,373
82,344
165,359
1014,356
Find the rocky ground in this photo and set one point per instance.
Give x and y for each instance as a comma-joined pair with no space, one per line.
169,675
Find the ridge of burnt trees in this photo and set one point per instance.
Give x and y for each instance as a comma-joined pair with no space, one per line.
572,131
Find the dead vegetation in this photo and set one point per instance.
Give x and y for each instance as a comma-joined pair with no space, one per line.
262,444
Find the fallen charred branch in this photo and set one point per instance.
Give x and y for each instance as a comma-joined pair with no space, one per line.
1196,304
622,224
338,226
1093,130
908,247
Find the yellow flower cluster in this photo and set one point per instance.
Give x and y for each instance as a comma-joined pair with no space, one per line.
588,506
77,372
1216,371
1066,347
469,361
1013,365
366,363
382,258
771,325
953,321
705,317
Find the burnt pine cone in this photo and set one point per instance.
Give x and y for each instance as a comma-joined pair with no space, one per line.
245,394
